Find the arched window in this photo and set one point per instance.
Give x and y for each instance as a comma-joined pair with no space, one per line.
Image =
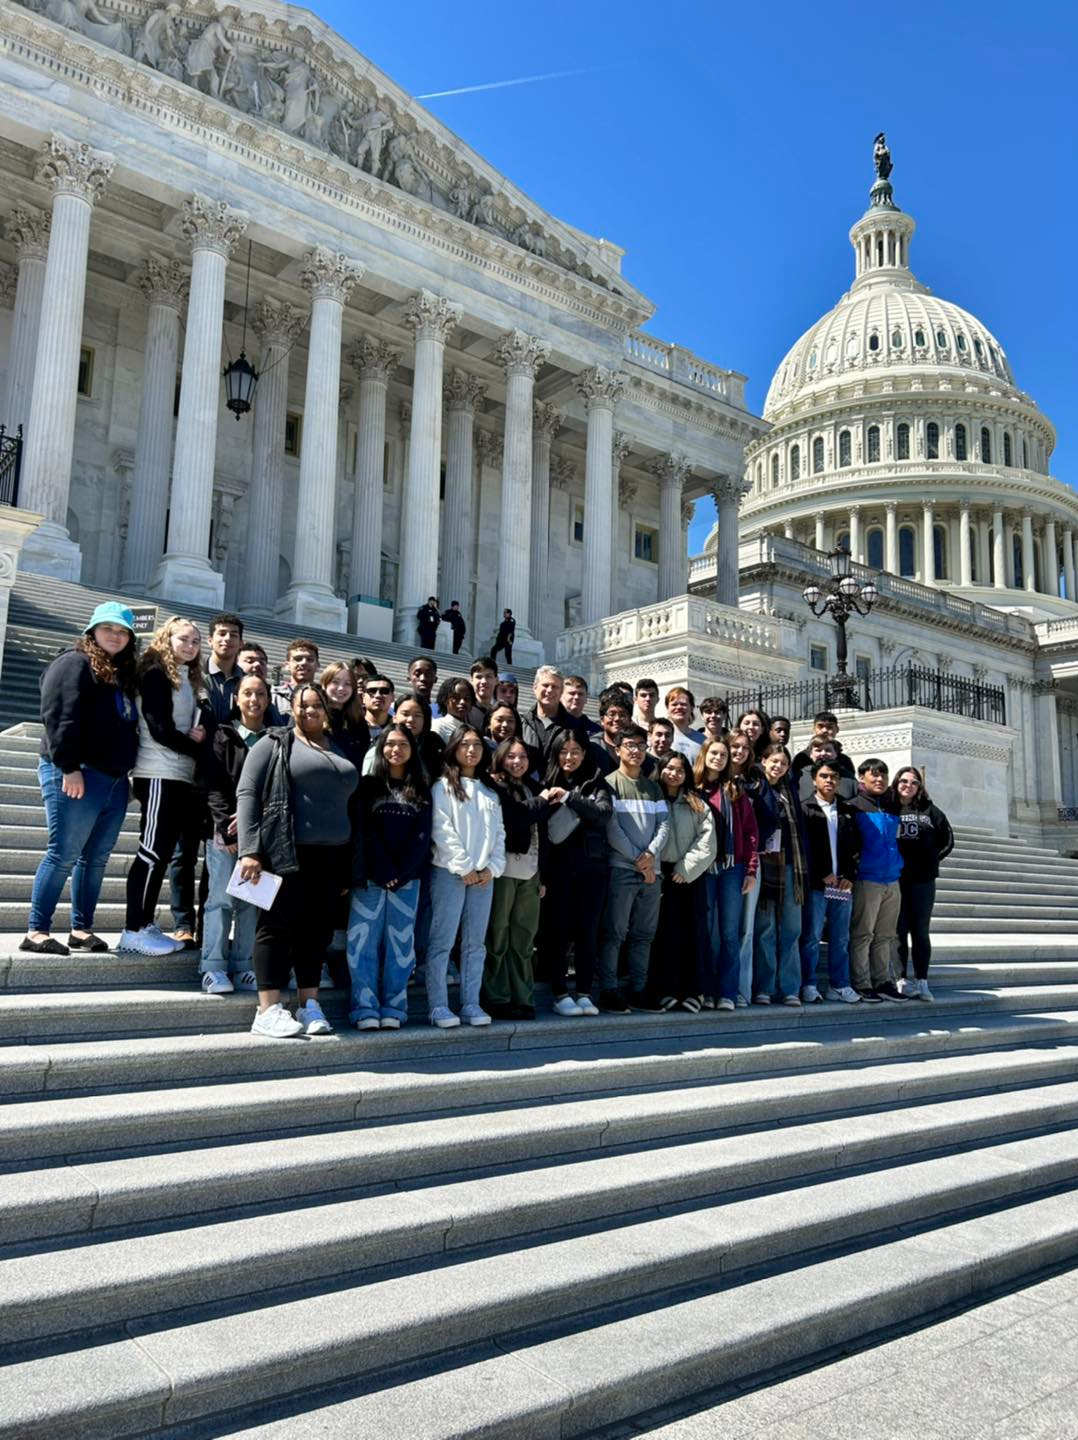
960,447
941,339
812,360
961,341
874,552
1007,454
795,463
759,474
896,339
979,348
873,443
932,440
1025,454
873,342
986,446
919,337
902,441
907,552
817,455
774,470
844,451
939,550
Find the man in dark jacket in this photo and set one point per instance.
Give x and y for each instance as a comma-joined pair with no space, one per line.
455,620
834,853
507,631
428,618
546,725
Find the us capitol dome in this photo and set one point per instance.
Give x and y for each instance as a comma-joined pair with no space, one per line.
898,431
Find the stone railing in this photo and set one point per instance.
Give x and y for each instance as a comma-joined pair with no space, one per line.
686,617
1057,632
886,472
684,367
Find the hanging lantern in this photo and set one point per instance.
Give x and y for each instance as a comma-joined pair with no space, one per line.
240,381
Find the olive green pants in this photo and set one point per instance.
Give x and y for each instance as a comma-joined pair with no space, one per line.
514,919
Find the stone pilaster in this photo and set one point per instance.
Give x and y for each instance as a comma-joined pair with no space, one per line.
819,521
278,326
211,228
76,176
463,393
1050,559
431,318
521,355
28,231
164,285
1068,561
928,544
600,389
546,422
671,472
310,598
374,363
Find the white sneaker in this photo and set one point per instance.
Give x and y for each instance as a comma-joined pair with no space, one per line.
725,1004
389,1022
145,942
313,1020
586,1005
926,993
794,1001
474,1015
216,982
847,994
443,1018
369,1022
275,1023
245,980
810,995
567,1006
169,940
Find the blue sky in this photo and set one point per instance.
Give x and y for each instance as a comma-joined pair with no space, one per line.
728,148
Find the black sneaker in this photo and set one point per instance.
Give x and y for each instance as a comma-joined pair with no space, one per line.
889,991
523,1012
612,1003
872,996
646,1001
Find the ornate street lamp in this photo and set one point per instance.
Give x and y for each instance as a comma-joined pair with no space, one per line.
240,376
844,596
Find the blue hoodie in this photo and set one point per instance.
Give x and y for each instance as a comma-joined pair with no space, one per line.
881,861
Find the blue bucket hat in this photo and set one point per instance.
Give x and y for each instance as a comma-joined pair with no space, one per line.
111,612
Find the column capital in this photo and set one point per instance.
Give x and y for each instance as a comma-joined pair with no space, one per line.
854,511
562,472
490,447
964,505
627,491
432,316
463,392
725,488
521,354
600,388
212,225
620,446
330,274
163,282
671,469
546,421
70,167
373,359
28,230
9,281
276,323
891,506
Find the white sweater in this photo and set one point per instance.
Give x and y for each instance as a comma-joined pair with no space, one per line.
468,834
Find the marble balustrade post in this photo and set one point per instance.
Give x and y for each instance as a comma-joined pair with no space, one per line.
999,552
1050,559
310,599
1068,561
521,355
965,558
28,231
374,364
464,393
1029,569
727,491
164,283
546,422
928,544
671,471
891,560
212,228
278,326
76,176
431,318
600,389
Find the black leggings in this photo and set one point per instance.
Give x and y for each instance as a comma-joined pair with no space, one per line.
914,919
675,968
294,934
171,812
574,902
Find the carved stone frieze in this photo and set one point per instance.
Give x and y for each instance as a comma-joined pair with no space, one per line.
562,472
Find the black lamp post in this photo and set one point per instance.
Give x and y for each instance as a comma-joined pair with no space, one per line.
240,375
844,596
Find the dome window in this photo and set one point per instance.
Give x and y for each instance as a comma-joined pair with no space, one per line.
896,340
817,455
961,450
759,474
795,463
844,449
939,551
902,441
986,446
932,440
774,471
873,342
813,358
873,444
961,342
1008,458
842,541
941,339
919,338
979,348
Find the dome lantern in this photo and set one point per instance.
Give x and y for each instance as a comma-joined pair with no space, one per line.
881,238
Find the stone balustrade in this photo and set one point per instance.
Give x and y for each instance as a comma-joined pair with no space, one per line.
884,474
687,618
685,368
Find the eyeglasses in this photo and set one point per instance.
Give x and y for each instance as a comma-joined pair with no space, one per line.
631,745
377,690
909,780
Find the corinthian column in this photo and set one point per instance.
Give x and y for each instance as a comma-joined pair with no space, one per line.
278,326
965,558
76,175
28,231
928,538
1029,575
432,318
374,363
310,599
1068,561
999,552
727,491
600,389
463,392
212,228
891,538
619,449
671,471
1050,558
522,355
164,283
546,422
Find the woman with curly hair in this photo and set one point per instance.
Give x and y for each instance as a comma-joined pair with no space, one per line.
87,751
175,729
347,720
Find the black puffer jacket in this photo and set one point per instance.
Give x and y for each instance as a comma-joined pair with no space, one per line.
229,753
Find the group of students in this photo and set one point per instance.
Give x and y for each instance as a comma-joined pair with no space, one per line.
701,866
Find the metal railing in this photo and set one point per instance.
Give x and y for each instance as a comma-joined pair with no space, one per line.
10,465
878,690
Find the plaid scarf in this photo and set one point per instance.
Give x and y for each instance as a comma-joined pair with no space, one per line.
773,863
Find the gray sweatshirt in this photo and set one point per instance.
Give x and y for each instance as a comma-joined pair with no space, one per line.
640,821
322,785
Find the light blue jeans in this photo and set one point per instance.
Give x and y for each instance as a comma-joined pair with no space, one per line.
455,905
776,957
724,893
81,836
221,913
747,931
381,951
817,909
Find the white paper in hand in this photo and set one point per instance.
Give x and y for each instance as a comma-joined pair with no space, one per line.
261,892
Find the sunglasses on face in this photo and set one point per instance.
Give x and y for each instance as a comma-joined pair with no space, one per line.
378,690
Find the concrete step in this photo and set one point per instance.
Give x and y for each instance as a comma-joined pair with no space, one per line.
967,922
109,915
211,1361
971,887
1036,907
31,833
18,886
1017,947
17,864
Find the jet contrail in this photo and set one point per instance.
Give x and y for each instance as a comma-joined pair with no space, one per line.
502,84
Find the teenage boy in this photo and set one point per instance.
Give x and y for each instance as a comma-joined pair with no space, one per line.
575,697
637,832
660,742
825,727
714,718
821,749
876,895
779,734
834,838
680,706
301,661
484,677
377,703
253,660
455,620
223,675
645,702
422,676
614,718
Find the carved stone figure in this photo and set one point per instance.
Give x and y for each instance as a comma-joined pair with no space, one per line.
203,55
532,240
881,157
484,213
300,94
404,170
461,201
88,20
158,42
371,128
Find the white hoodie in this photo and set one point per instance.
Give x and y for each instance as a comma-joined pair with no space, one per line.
468,834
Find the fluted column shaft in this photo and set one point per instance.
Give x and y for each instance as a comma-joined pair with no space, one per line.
164,284
600,389
76,175
431,318
1068,562
819,536
928,545
522,356
278,326
29,231
891,562
671,471
965,558
855,534
374,363
463,394
1050,559
545,425
999,552
1029,575
727,493
620,446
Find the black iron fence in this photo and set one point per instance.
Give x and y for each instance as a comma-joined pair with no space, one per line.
10,465
878,690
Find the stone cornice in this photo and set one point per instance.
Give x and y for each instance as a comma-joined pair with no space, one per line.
567,281
711,414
